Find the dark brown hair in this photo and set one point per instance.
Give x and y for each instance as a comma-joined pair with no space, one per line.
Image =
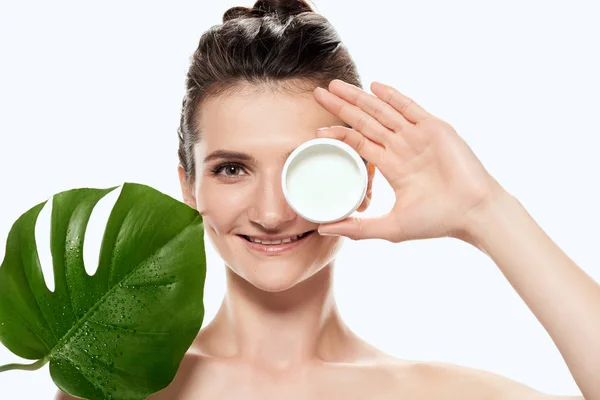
281,45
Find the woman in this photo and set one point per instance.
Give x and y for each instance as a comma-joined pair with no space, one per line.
254,93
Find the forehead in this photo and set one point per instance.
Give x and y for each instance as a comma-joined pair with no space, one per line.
269,120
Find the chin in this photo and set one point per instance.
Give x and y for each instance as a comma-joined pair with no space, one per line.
275,277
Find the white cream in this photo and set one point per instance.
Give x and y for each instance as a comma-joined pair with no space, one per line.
324,180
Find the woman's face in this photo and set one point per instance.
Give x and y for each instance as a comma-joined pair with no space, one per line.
241,195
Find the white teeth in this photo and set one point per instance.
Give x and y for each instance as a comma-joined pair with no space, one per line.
287,240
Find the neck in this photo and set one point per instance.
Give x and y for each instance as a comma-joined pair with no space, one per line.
279,329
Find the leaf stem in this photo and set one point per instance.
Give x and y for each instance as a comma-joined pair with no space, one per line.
28,367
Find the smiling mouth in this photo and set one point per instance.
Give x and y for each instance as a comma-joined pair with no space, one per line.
278,242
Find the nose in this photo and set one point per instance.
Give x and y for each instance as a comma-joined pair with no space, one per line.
269,207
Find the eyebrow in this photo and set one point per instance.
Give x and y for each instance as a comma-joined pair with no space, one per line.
236,156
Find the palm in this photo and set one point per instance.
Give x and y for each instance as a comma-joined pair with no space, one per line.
436,185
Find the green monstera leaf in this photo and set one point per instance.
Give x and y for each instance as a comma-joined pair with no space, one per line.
122,332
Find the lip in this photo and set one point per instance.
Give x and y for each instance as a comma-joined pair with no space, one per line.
275,249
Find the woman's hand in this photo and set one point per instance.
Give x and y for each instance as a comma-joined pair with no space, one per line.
440,184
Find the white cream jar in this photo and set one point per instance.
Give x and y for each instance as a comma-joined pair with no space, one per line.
324,180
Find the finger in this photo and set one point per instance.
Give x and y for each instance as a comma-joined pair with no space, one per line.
404,104
389,165
353,116
366,148
372,105
358,228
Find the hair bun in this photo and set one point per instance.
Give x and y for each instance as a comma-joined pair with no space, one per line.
283,9
237,12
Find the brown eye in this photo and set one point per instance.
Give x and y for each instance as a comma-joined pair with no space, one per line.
229,170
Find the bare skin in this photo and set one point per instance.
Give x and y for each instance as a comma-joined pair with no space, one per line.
344,367
278,333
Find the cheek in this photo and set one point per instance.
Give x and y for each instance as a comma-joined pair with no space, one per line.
331,247
221,205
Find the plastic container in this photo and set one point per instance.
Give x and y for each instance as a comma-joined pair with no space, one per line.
324,180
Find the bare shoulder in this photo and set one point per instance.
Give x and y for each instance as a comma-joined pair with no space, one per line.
449,381
178,389
60,395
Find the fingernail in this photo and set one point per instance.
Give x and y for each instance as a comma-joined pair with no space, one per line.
328,234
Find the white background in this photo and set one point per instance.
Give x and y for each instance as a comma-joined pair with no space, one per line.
90,96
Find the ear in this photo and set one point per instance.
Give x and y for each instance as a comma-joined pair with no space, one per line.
370,174
187,189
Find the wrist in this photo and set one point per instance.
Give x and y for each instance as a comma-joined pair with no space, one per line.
490,212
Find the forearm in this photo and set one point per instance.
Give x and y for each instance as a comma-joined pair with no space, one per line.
562,296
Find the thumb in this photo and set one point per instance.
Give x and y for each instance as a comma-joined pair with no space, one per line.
358,228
